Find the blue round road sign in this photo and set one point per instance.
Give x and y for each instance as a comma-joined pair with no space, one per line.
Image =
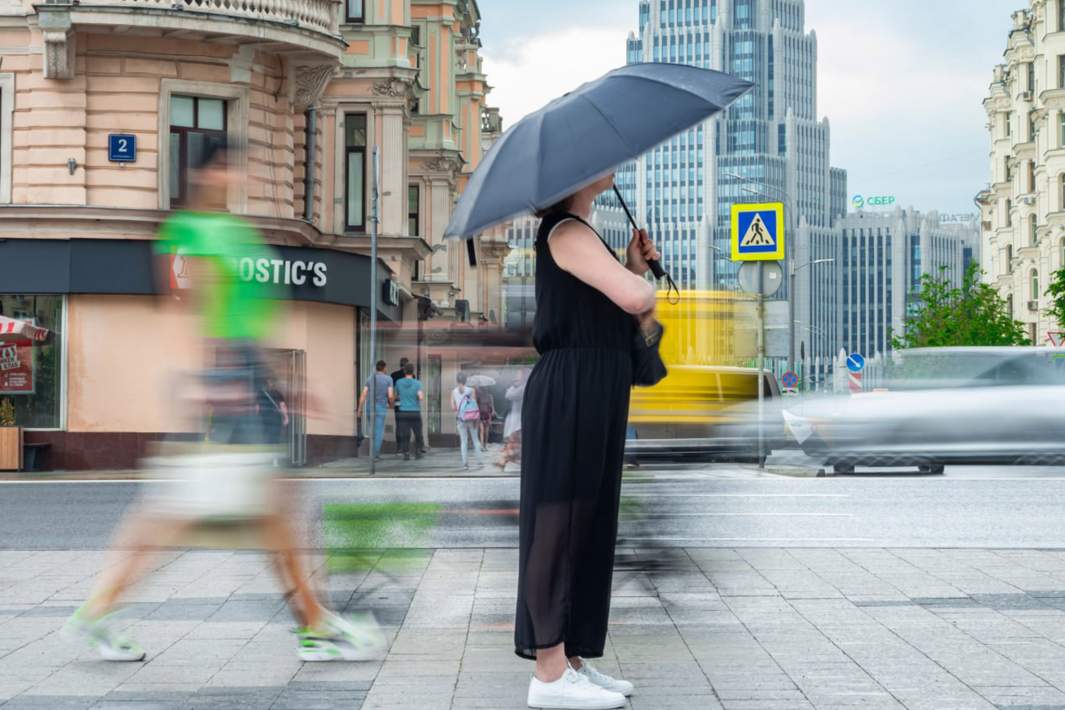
790,380
855,363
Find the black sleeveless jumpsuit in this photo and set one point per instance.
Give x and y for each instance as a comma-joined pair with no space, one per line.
573,443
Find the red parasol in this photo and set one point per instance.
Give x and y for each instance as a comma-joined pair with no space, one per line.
13,329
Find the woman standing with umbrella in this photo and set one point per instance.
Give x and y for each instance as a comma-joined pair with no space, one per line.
575,409
590,309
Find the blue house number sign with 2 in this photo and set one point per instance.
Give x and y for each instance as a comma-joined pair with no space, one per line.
122,148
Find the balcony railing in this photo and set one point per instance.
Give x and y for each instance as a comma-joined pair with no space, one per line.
318,15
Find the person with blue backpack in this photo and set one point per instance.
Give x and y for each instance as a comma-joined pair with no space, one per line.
467,417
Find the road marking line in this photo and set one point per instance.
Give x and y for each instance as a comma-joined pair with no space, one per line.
624,541
736,515
735,495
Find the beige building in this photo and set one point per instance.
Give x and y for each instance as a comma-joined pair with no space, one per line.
102,102
1023,208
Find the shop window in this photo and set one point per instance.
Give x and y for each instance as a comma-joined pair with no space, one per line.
31,371
193,121
355,170
414,198
356,10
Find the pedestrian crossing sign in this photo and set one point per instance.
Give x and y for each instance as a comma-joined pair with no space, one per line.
758,232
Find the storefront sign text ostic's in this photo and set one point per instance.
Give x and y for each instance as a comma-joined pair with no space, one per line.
280,272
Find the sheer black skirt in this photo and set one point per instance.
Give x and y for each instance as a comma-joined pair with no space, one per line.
573,431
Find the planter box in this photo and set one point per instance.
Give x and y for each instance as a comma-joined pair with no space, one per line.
10,449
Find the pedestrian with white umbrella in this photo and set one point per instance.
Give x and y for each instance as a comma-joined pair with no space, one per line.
593,316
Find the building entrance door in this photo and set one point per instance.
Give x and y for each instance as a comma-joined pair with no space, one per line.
289,369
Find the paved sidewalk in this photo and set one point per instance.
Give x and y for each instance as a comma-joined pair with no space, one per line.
763,629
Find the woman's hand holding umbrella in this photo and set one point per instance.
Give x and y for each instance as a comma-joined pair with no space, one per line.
640,251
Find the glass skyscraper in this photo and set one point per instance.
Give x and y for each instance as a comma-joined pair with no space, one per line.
767,147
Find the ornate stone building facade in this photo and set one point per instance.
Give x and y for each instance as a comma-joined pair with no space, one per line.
1023,207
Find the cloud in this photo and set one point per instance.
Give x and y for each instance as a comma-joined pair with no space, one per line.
906,107
527,74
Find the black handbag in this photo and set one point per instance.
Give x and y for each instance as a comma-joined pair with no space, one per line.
647,366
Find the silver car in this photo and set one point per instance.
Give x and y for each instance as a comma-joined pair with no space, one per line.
943,405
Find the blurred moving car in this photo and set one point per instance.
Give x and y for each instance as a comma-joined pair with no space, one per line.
943,405
700,412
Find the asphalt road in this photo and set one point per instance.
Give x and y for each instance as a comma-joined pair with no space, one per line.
728,507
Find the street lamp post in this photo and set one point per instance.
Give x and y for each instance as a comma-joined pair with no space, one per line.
792,271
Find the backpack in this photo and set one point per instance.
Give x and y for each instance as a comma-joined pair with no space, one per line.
468,409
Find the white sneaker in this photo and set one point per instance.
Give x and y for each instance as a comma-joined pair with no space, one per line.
604,681
572,691
99,635
338,639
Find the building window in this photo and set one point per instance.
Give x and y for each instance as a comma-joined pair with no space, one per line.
1034,285
193,121
1061,191
1061,71
414,195
355,167
1031,126
1009,169
1009,213
7,109
1009,258
1033,231
1061,15
1031,77
1062,252
31,372
1031,176
1009,123
356,10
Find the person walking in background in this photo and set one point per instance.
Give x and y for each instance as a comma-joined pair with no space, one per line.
398,375
512,425
228,474
409,396
384,397
467,417
486,403
588,309
275,412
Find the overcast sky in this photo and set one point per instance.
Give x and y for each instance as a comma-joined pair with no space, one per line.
900,81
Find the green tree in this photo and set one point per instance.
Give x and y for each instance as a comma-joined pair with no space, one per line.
972,314
1057,292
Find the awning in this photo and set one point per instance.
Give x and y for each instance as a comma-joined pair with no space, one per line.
13,329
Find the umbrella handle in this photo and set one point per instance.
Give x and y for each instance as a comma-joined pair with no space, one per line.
653,264
656,267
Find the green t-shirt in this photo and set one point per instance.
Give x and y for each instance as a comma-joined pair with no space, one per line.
234,308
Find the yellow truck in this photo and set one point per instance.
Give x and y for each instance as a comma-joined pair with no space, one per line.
705,407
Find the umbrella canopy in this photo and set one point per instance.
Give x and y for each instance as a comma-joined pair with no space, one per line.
481,381
13,329
576,139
